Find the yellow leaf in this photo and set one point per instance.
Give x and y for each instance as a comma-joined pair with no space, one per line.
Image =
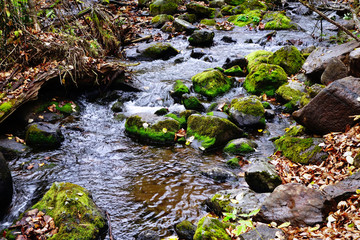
164,130
284,225
41,164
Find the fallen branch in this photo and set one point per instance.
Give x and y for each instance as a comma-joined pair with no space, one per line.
110,230
313,8
138,39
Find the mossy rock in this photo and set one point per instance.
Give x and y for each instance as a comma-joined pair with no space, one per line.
247,112
265,78
212,132
161,112
5,107
242,20
179,89
185,230
235,2
152,129
144,3
227,10
291,94
257,57
66,107
240,146
192,103
211,83
159,20
191,18
158,51
277,21
296,131
315,89
163,7
118,106
233,162
201,38
289,58
73,211
235,71
181,118
208,22
301,150
200,11
43,136
211,229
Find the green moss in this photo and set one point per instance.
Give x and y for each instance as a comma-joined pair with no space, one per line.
192,103
223,201
73,211
161,112
191,18
248,105
163,7
162,18
265,78
63,107
5,106
227,10
233,163
257,57
208,22
304,100
266,105
295,131
201,11
211,83
289,58
290,96
160,50
182,119
234,149
251,17
211,229
235,2
179,89
278,21
36,137
235,71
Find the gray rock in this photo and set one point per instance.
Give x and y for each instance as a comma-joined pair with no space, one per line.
344,188
198,53
12,149
182,25
43,136
294,203
185,230
244,200
202,38
217,3
331,109
163,7
219,174
6,186
355,63
334,70
315,90
239,61
317,61
261,176
148,235
263,232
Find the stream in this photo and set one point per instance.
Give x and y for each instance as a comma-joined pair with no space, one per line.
146,187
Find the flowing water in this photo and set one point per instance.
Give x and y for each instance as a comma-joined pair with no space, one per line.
145,187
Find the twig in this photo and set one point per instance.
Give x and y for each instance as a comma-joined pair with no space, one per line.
110,230
138,39
356,20
311,7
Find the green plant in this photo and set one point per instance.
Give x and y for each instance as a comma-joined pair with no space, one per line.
244,223
347,16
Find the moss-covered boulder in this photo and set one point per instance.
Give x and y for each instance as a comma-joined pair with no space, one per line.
181,25
185,230
152,129
247,112
157,51
233,162
202,38
179,89
211,83
211,132
163,7
265,78
200,11
161,112
118,106
303,150
191,18
243,200
289,58
257,57
291,94
43,136
242,20
192,103
277,21
159,20
261,176
235,71
73,211
208,22
181,118
240,146
211,229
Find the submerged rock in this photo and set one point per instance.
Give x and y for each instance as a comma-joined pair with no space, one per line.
289,58
185,230
43,136
152,129
148,235
211,228
163,7
219,174
332,108
6,186
202,38
247,112
265,78
211,131
211,83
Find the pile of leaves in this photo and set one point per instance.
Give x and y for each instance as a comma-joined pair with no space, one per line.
35,225
343,161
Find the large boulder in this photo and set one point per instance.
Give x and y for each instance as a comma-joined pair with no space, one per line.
277,21
211,83
163,7
261,176
6,186
332,108
202,38
157,51
211,132
200,11
294,203
289,58
257,57
335,70
43,136
317,61
242,20
152,129
73,211
265,78
243,200
11,148
247,112
211,228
